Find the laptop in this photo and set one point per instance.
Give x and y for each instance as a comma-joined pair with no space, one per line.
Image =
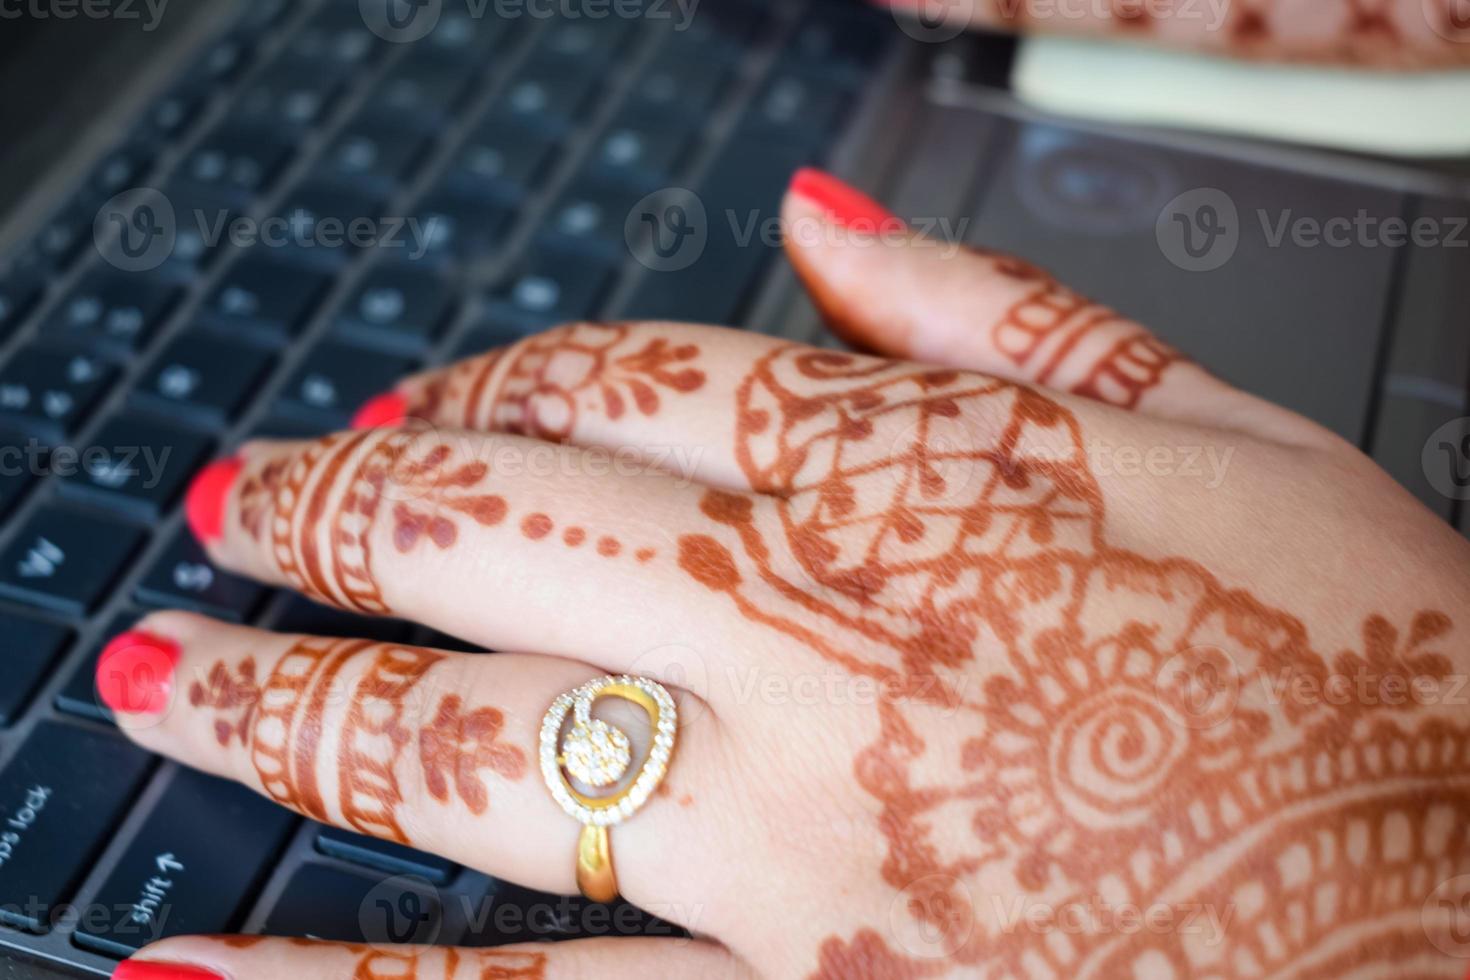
235,218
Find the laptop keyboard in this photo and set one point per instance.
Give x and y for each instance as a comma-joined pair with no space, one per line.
492,167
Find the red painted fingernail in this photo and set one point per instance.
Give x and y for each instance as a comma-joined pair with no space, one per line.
135,673
139,970
844,204
204,505
381,410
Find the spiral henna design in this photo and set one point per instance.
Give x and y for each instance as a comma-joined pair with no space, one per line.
1108,720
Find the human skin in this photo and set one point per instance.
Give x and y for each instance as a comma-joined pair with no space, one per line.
963,692
1392,34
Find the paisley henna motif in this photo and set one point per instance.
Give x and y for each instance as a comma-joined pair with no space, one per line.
1126,737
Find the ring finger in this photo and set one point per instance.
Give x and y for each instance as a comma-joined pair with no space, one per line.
434,750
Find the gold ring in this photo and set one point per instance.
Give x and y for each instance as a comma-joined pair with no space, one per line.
597,755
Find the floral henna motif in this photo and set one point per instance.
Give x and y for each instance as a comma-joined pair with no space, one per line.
543,385
458,744
236,694
279,721
1127,737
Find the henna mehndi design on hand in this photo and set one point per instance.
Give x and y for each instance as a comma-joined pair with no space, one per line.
457,744
943,531
544,384
279,721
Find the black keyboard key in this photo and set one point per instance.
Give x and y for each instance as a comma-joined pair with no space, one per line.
718,31
326,223
378,152
22,462
138,466
184,578
502,158
336,379
514,914
118,311
420,95
222,61
384,855
79,695
203,377
238,159
584,41
592,215
60,798
18,295
321,902
262,296
680,82
119,170
557,286
713,284
175,878
843,39
171,115
302,615
641,152
400,308
289,94
465,32
205,221
28,650
548,95
800,106
63,236
337,37
498,330
51,391
453,228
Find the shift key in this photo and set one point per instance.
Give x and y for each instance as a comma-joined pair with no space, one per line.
61,796
193,867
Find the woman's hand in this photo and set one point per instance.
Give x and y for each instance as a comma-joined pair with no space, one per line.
1412,34
1027,649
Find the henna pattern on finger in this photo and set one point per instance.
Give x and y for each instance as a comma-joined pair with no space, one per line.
356,783
544,385
1045,332
1124,734
457,744
1382,33
321,506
